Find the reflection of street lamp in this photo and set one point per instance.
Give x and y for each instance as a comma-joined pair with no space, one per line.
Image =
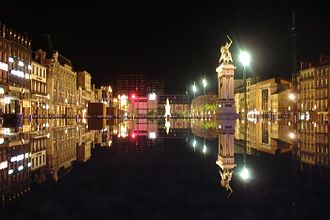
204,84
194,88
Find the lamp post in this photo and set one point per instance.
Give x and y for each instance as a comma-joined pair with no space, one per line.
204,85
194,88
245,59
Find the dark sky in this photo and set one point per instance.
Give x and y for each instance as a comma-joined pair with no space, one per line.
176,42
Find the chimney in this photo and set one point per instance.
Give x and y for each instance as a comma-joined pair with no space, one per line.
322,57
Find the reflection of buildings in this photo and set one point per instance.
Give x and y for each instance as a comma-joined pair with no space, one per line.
313,144
61,150
266,136
15,164
226,160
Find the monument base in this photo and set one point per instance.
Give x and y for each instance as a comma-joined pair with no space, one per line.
227,110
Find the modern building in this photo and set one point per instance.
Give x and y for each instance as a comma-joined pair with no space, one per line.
139,84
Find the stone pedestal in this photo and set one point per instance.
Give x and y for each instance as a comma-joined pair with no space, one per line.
226,101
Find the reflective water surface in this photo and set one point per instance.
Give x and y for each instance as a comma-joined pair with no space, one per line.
64,169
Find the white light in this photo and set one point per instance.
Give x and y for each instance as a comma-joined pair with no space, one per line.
194,88
20,63
26,155
245,58
48,135
47,106
17,73
194,143
10,171
66,100
3,165
17,158
152,96
292,96
10,59
29,67
2,140
292,135
204,83
2,91
152,135
29,164
219,105
219,126
66,131
3,66
20,168
204,149
245,174
27,76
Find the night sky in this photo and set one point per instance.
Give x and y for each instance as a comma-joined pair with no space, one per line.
176,42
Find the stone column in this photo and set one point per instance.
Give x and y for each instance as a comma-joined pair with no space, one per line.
226,101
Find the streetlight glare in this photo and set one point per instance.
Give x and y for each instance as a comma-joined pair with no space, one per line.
194,88
245,58
292,96
245,174
204,83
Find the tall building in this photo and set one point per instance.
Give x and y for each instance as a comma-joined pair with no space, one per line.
138,84
128,84
313,89
85,93
61,83
15,70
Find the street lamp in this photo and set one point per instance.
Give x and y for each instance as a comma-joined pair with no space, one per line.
204,84
194,88
245,59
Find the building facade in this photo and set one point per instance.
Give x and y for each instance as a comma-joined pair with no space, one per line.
15,70
61,84
313,91
39,98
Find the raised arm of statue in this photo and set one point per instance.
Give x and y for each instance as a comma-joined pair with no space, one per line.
230,42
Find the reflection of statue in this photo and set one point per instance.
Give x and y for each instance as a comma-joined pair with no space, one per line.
225,180
167,125
225,53
167,109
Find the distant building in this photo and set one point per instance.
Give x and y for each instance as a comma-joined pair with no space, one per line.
204,106
139,84
180,105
